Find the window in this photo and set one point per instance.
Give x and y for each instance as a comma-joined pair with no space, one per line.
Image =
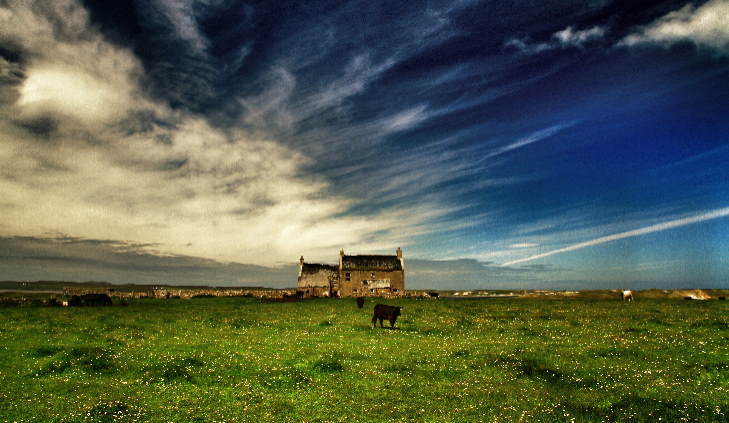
347,277
372,275
364,282
372,290
354,290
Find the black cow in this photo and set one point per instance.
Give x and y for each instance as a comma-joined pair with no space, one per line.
52,302
96,300
90,300
382,312
360,302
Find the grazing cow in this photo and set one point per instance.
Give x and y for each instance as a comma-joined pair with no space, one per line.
382,312
96,300
360,302
627,295
433,294
52,302
90,300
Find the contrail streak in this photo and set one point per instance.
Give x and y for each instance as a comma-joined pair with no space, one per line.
713,214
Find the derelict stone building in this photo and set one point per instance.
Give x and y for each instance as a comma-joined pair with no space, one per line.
355,276
317,280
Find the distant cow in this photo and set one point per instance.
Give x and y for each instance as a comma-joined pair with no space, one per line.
52,302
90,300
433,294
360,302
383,312
627,295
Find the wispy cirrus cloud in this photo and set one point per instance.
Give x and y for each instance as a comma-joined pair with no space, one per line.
566,38
702,217
705,25
181,16
532,138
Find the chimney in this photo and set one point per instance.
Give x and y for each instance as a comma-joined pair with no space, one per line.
301,266
399,253
301,260
341,257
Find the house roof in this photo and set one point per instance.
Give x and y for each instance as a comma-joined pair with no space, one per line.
388,263
313,268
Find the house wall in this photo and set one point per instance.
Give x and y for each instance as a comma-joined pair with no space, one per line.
356,286
317,284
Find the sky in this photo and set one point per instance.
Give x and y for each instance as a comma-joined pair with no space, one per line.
502,145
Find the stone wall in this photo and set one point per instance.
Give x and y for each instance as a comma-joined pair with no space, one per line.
172,292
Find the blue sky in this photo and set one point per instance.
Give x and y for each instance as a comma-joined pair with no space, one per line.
500,144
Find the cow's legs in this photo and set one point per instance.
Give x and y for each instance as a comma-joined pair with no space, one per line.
374,321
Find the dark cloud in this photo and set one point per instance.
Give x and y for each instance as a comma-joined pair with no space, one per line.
142,122
39,126
69,258
173,164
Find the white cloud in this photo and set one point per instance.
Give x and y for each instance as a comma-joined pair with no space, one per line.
67,91
408,118
570,37
566,38
179,183
708,215
526,46
536,136
180,14
706,26
75,75
357,75
524,245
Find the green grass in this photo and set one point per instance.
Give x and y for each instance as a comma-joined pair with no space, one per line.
241,360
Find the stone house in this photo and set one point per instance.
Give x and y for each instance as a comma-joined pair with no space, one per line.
317,280
355,276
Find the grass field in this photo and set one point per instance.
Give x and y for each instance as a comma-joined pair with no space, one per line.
241,360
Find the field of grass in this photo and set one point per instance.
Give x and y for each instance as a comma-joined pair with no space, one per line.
242,360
